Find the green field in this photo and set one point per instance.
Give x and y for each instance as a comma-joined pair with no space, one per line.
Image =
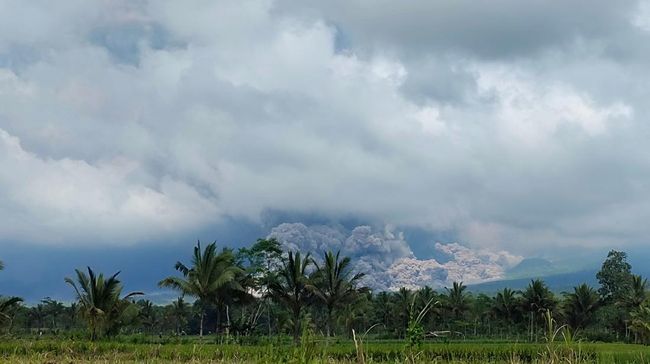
67,351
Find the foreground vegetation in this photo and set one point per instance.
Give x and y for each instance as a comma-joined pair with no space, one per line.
187,350
263,305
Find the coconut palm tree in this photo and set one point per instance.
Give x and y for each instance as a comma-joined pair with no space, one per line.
505,305
99,300
52,309
640,322
147,315
206,277
537,299
178,312
7,306
382,308
290,287
70,315
580,306
457,300
637,293
238,291
354,314
403,305
334,284
427,296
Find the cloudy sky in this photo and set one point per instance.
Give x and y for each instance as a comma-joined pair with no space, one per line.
503,125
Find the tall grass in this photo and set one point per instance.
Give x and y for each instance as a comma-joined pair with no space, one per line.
313,351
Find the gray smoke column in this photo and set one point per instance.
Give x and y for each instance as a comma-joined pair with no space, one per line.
387,259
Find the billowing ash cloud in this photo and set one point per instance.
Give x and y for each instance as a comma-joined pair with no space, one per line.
389,262
465,265
373,252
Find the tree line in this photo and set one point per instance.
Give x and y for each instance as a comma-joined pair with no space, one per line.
262,291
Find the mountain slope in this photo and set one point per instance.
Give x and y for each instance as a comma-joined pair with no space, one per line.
558,283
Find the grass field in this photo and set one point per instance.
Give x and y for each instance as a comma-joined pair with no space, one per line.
67,351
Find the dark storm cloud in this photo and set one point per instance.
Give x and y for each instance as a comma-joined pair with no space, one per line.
492,29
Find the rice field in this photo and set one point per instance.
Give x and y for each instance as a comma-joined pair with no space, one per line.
69,351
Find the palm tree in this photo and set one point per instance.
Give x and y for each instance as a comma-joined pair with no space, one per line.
99,300
70,314
147,315
383,308
403,306
7,305
37,314
537,299
457,301
637,293
179,311
580,306
204,279
334,284
52,309
355,314
505,305
290,287
427,296
640,322
237,291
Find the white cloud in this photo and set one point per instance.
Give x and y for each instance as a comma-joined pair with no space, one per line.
641,18
156,116
65,200
532,111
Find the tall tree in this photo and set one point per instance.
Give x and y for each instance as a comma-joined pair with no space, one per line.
99,300
52,309
637,294
615,277
426,295
382,308
481,311
457,300
403,305
536,300
261,261
290,287
206,277
147,315
505,305
580,306
263,256
236,292
334,284
70,315
640,322
179,310
354,315
8,305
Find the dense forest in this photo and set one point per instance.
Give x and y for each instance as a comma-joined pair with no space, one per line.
261,292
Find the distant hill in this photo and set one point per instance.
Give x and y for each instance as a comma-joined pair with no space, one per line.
561,275
531,267
558,283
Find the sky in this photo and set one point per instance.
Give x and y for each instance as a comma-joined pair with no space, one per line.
135,128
